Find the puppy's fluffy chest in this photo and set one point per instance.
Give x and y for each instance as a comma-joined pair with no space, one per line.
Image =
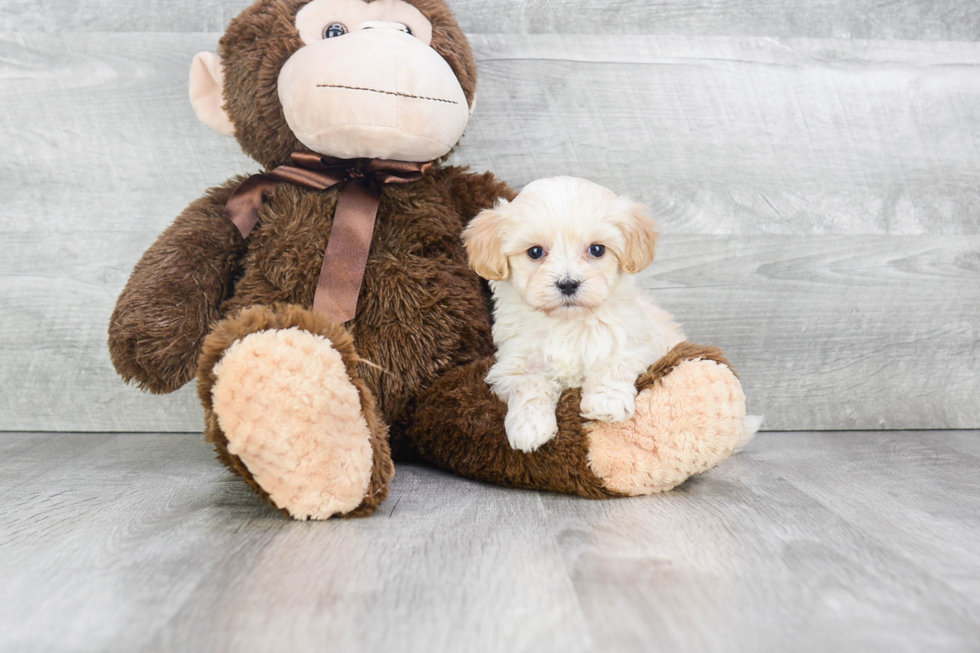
569,344
571,348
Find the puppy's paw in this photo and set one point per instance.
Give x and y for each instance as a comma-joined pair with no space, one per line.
615,403
530,426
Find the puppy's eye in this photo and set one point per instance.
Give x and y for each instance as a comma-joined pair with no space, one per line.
535,253
597,250
333,30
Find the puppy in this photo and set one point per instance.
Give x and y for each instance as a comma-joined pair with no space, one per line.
568,313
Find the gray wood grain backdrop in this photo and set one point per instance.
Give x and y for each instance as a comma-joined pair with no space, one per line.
814,165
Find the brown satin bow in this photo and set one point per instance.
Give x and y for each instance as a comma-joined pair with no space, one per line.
353,223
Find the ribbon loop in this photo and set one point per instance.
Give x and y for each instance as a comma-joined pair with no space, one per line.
345,258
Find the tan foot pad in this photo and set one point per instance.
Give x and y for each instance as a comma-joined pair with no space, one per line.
290,412
684,425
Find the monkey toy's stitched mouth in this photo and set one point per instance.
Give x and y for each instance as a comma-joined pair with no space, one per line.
374,90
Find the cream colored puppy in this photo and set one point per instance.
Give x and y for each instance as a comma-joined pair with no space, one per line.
568,313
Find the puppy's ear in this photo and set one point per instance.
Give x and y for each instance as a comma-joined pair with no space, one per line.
483,245
641,238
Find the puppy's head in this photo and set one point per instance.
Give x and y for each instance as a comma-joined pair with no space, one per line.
562,243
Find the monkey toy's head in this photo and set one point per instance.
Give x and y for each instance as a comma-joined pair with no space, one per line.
387,79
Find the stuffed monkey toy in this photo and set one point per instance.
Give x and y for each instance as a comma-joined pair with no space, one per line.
326,306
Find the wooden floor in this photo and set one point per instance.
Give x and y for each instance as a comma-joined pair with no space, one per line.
806,542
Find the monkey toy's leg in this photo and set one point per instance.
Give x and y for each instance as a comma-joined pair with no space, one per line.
286,410
689,417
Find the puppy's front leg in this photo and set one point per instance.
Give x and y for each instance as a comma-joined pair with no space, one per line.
531,404
609,392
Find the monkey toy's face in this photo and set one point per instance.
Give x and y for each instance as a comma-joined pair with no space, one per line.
347,78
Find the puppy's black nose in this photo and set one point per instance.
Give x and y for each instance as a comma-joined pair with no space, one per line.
568,286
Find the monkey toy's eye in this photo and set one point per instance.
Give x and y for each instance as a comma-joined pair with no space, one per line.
597,251
334,29
535,253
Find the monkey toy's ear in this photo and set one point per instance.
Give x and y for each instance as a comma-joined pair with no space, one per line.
207,92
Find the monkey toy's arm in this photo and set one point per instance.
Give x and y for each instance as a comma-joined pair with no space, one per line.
174,294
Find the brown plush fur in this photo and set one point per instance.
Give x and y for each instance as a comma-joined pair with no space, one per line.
461,403
422,310
171,300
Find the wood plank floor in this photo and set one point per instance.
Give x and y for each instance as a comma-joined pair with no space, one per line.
806,542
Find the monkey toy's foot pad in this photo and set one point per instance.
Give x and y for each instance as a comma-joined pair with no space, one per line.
685,423
291,414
